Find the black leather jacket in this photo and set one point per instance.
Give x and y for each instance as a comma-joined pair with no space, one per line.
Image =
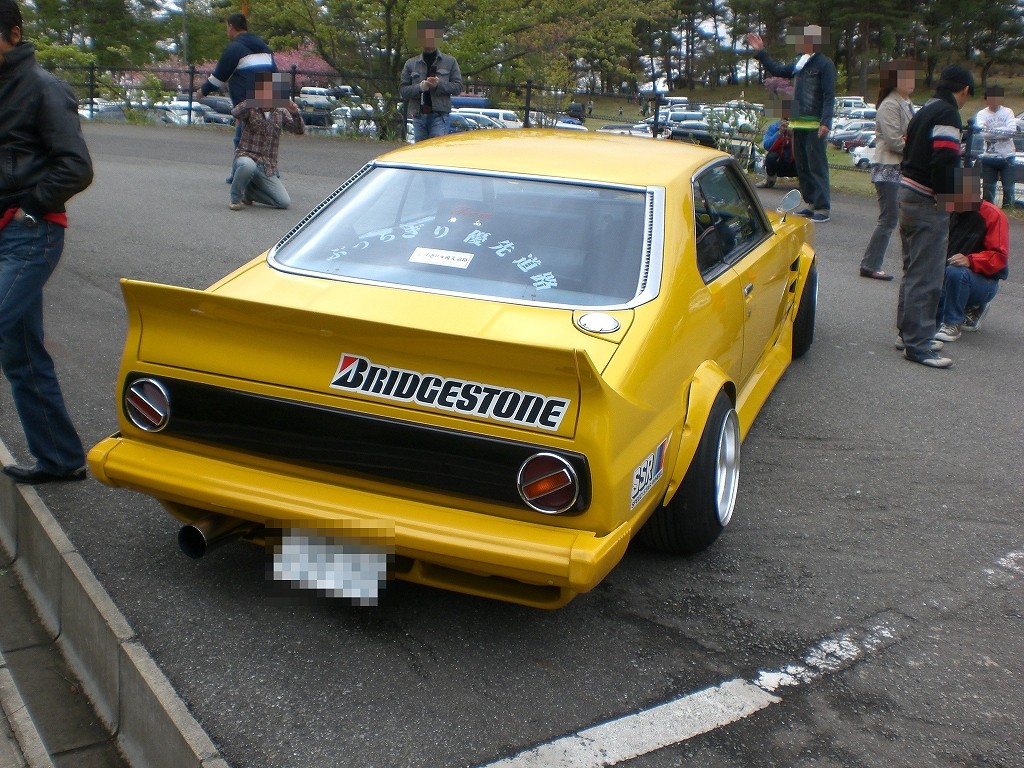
43,157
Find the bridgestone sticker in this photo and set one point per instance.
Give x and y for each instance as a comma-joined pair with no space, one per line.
648,473
358,374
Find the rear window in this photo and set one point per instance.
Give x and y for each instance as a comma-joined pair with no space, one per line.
524,240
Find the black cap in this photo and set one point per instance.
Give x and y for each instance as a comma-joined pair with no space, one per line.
956,78
994,90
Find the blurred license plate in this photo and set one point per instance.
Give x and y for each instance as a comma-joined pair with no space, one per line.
331,566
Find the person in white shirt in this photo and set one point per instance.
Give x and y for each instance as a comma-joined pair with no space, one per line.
997,126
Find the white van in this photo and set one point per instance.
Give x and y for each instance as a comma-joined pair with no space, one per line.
314,98
506,117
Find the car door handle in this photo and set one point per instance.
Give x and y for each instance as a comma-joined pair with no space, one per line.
748,289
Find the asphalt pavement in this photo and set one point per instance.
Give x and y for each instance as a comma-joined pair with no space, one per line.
874,573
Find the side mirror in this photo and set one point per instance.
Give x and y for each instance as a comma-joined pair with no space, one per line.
790,202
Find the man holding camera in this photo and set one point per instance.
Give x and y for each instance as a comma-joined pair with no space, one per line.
428,83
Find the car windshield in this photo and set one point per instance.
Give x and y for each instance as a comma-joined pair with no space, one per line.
524,240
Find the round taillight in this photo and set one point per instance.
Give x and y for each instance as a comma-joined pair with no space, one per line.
147,404
548,484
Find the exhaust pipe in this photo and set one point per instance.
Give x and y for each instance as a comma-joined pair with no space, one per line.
210,532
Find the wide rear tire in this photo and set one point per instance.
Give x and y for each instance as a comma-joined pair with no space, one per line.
704,504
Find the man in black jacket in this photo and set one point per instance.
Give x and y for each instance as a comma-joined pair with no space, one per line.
246,55
44,163
931,173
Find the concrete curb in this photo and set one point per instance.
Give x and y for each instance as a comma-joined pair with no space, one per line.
133,697
33,753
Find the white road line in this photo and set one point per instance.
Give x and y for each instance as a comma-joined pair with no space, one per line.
696,713
646,731
693,714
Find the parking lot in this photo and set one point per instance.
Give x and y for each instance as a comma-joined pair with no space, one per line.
864,607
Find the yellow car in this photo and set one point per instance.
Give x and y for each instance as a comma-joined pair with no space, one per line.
485,363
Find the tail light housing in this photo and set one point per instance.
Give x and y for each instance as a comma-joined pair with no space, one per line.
147,404
548,484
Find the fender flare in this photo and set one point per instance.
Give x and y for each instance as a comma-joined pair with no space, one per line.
708,380
806,260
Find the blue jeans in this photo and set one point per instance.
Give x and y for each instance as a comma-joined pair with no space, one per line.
28,256
991,174
812,168
251,183
963,288
430,126
924,231
235,142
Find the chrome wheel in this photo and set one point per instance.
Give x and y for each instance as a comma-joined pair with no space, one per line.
727,470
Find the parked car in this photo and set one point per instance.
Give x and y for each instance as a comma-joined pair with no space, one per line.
199,111
626,129
322,119
848,131
113,111
864,113
693,132
343,92
484,364
220,110
484,121
570,124
458,123
119,112
670,116
314,98
862,139
845,104
863,156
506,117
577,112
354,120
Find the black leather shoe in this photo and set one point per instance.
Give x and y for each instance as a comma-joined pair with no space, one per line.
37,476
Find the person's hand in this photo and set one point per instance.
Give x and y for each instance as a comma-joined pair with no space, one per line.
754,41
197,95
958,260
292,107
429,82
822,131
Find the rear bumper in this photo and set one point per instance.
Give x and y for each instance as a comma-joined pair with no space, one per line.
522,562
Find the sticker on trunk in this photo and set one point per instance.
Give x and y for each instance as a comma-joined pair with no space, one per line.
356,373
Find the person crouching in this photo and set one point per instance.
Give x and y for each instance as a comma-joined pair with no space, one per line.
263,116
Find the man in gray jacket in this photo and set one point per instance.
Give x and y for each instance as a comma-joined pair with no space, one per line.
428,83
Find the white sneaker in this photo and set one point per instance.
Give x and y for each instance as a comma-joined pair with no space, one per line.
931,359
948,332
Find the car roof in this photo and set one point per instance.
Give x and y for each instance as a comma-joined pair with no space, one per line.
590,156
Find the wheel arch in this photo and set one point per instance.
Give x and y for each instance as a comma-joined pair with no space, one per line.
807,260
709,379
